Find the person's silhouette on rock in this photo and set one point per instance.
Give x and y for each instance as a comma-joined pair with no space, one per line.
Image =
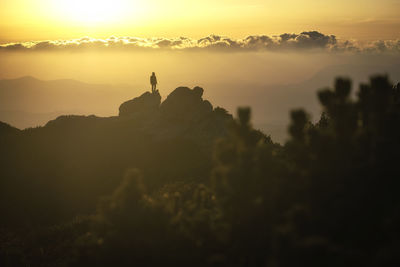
153,81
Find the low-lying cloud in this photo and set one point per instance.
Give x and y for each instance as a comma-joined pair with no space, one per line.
311,40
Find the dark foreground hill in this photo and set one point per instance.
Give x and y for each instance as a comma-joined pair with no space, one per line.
182,188
60,170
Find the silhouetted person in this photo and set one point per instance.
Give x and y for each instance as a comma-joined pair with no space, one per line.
153,81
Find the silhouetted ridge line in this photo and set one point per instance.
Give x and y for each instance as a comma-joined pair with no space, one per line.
5,128
75,159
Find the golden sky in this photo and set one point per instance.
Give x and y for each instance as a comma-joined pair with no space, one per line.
24,20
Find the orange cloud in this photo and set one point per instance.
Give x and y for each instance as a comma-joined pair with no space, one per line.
311,40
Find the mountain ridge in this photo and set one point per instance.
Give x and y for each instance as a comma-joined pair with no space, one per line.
88,154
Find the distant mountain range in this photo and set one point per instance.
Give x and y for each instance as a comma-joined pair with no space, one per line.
29,102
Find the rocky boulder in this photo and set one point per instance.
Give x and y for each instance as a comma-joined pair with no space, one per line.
144,103
184,102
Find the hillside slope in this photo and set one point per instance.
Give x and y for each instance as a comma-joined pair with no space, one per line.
64,167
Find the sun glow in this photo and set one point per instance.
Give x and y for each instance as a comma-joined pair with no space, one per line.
93,11
24,20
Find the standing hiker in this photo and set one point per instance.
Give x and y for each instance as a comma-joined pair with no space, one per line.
153,81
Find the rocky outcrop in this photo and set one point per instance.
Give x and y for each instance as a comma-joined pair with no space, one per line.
183,114
185,103
147,102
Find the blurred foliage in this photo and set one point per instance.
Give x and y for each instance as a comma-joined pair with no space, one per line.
328,197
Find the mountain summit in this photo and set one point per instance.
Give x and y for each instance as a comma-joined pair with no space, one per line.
144,103
80,158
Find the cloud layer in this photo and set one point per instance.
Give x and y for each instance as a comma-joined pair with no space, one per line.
304,41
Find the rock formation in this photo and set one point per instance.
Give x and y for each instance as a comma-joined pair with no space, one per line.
144,103
186,103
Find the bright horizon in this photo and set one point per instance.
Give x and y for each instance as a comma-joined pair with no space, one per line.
24,20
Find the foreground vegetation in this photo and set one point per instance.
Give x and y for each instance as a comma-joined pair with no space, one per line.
328,197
